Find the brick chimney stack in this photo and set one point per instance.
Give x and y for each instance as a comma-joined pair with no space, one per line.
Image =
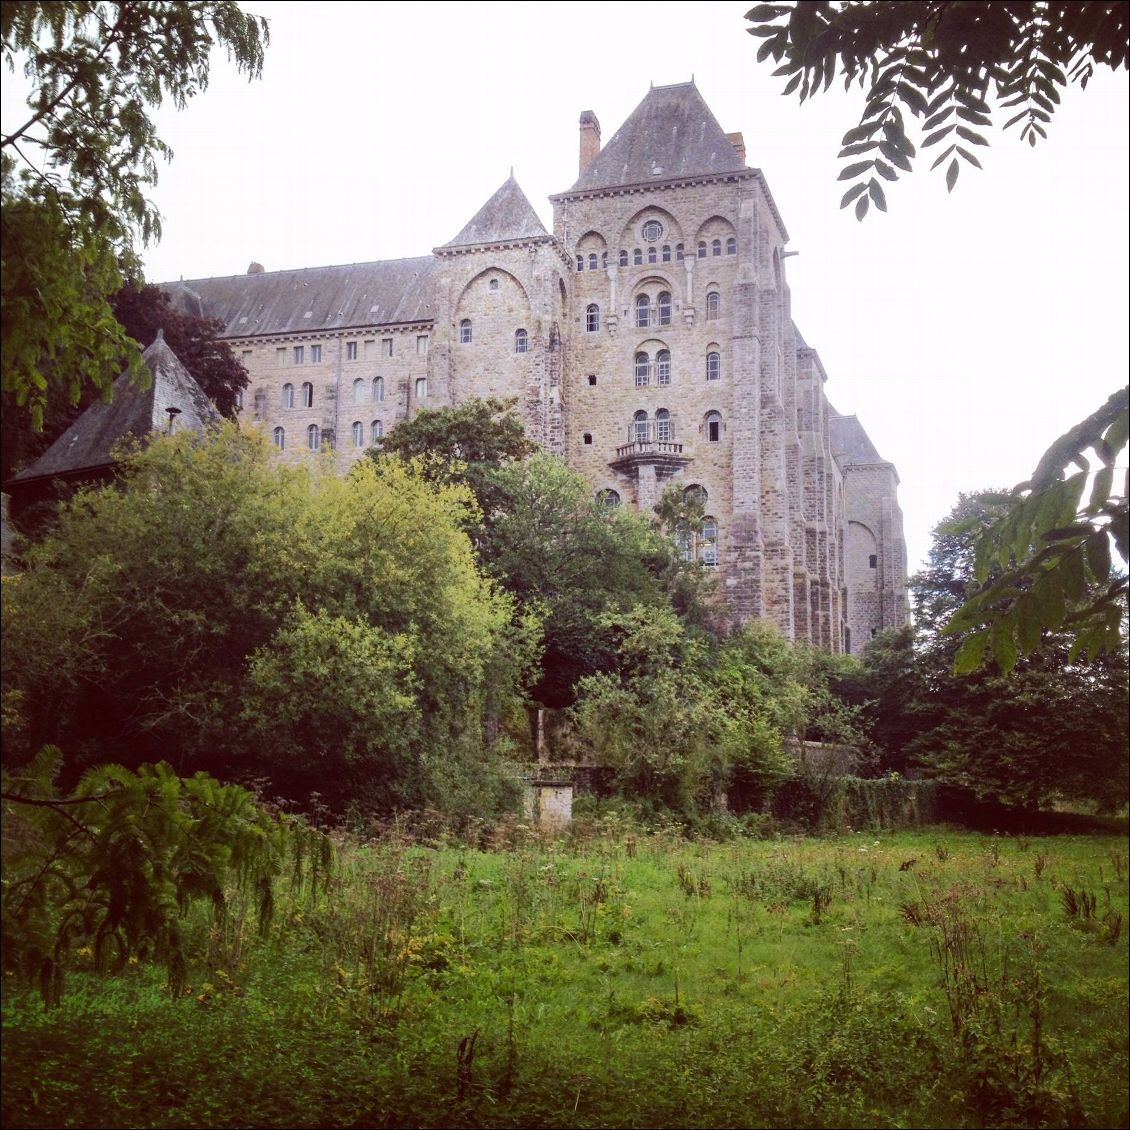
590,139
738,142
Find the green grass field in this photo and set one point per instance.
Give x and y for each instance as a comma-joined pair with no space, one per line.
938,978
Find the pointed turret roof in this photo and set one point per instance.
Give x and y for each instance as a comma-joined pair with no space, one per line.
88,444
851,445
670,134
505,218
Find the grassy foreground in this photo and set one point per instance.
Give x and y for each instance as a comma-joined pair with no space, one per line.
612,978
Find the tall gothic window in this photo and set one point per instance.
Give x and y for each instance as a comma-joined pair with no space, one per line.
643,367
643,311
663,302
713,305
279,436
358,434
521,341
359,391
378,389
376,431
288,396
307,395
639,427
713,427
663,367
465,332
592,318
713,366
663,426
313,437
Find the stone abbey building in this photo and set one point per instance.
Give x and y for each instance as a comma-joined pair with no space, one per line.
647,340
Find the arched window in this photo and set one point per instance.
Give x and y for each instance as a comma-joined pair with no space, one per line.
592,261
708,542
580,262
592,318
716,247
637,257
713,305
623,258
521,341
713,366
666,253
307,395
663,367
376,431
643,310
378,389
288,396
639,427
279,436
604,260
421,388
713,427
731,246
663,302
702,250
313,437
695,494
663,426
678,252
359,391
643,366
608,497
652,255
358,434
465,332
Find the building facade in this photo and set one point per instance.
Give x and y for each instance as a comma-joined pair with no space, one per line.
647,340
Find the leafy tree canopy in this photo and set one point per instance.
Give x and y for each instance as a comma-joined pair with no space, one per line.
1055,729
228,614
88,150
941,63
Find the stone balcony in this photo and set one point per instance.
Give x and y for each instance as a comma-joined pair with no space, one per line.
665,456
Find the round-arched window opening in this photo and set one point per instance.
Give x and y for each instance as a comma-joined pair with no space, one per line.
608,497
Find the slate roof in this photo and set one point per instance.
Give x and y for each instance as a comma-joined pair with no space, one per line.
388,292
671,134
88,444
851,445
505,218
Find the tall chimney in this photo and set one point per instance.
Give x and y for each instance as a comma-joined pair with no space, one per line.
738,142
590,139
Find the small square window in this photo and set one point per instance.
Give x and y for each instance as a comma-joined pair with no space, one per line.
588,438
873,561
592,378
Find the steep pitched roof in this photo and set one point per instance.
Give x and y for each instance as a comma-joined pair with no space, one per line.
507,216
670,134
88,444
851,445
315,298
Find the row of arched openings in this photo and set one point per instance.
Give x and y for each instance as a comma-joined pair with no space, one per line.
695,542
644,429
715,248
658,369
375,431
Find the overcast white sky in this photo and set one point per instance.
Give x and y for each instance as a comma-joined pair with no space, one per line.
966,330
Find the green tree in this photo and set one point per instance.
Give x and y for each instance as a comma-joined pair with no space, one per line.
87,150
1055,729
939,62
231,615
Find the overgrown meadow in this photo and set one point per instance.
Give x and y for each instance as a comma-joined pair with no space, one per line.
617,977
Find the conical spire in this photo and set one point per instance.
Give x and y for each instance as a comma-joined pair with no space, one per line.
507,216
